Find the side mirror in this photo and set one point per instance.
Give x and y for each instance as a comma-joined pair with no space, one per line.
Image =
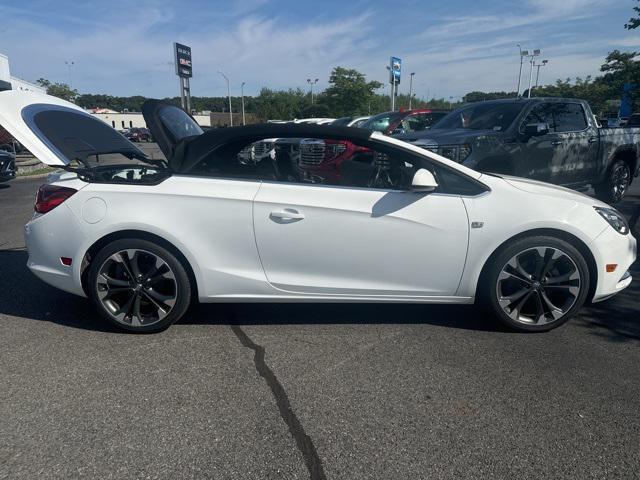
423,181
536,129
398,131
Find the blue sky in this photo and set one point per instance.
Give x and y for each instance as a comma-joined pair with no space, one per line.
454,46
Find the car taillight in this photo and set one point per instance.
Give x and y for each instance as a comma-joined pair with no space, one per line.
50,196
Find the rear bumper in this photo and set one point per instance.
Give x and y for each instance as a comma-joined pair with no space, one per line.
48,238
613,248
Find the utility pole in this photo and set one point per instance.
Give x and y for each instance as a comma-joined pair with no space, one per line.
520,74
311,84
242,98
70,65
228,95
410,87
391,86
532,57
538,65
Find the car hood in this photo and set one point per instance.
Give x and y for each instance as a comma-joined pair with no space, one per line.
549,190
438,136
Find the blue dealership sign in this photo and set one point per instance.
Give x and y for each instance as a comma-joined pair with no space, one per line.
396,70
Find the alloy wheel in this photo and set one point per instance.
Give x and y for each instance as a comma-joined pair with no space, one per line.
538,286
620,181
136,287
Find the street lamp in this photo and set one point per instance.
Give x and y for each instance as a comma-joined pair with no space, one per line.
538,65
391,95
228,95
69,65
536,53
311,84
520,74
410,87
242,99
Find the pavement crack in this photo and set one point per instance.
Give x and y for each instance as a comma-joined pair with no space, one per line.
303,441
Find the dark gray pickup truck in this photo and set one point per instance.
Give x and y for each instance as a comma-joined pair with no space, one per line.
555,140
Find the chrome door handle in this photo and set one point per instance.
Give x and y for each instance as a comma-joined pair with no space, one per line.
557,142
593,139
287,214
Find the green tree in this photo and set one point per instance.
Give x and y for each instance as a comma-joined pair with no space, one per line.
634,22
60,90
349,93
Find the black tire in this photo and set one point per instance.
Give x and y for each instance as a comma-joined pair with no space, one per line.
493,279
616,183
151,254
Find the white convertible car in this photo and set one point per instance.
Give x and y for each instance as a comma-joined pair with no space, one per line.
372,219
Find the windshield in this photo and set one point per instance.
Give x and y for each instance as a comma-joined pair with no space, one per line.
381,122
482,116
179,123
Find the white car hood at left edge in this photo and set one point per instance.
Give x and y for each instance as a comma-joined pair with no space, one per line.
12,104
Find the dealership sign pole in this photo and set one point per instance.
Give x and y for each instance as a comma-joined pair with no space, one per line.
184,71
394,74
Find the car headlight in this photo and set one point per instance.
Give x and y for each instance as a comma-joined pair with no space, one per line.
614,218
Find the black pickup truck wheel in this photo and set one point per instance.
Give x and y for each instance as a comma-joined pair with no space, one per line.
616,184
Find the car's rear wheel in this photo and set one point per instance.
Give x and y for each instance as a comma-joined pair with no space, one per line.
138,285
616,184
536,284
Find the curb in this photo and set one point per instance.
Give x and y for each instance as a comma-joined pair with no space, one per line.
27,177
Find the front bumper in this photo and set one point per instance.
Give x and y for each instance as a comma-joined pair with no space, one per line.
613,248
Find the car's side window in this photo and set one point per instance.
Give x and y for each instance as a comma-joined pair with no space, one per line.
317,161
569,117
561,117
541,113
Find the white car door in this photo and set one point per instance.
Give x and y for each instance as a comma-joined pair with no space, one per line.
334,240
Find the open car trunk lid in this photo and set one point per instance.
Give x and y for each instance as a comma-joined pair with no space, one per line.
57,132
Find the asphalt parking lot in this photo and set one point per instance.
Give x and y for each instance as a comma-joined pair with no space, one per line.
309,391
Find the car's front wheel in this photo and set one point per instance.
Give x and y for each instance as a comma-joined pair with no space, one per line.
139,286
536,284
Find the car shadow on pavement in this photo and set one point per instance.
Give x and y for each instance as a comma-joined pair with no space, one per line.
617,319
24,296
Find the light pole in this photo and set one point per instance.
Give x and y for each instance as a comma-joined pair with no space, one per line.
410,87
311,84
242,99
228,95
392,82
522,55
69,65
538,65
536,52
